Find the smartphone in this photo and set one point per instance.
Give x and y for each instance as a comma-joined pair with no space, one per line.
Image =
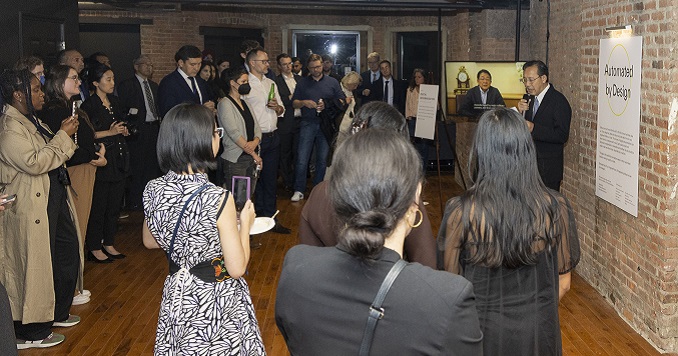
8,199
241,188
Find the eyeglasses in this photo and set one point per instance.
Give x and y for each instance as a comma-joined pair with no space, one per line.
316,67
75,78
529,80
264,61
219,131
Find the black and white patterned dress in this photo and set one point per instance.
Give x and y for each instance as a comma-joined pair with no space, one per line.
196,317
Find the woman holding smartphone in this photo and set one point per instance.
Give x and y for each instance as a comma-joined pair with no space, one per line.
61,85
206,306
39,254
242,136
107,116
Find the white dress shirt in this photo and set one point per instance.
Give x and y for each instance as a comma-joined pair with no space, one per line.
149,111
190,85
258,98
292,85
389,98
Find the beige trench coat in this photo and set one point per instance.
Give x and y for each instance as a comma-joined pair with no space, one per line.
25,259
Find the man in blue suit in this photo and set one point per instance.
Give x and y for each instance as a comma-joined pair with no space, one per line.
184,84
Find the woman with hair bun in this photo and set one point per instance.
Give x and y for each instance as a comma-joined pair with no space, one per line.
325,293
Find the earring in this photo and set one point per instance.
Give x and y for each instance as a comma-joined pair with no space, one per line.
421,219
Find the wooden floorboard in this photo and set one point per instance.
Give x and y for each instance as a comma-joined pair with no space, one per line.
121,317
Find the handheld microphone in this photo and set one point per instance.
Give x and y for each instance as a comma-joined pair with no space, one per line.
529,99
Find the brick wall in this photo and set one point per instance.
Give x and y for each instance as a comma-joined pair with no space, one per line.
630,261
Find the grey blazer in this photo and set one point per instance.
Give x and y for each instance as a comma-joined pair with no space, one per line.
229,117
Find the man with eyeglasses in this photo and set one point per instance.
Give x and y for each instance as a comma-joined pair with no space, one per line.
74,59
548,115
369,76
141,93
481,97
310,96
266,107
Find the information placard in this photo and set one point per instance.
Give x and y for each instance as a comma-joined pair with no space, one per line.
619,122
426,111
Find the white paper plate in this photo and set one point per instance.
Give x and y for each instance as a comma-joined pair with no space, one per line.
261,225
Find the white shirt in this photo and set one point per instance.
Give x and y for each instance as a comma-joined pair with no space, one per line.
292,85
389,98
540,97
149,112
190,85
258,98
483,96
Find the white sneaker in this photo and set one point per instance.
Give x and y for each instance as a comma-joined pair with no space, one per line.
86,293
297,196
80,299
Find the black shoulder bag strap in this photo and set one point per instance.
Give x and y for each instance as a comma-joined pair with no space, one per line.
181,215
376,311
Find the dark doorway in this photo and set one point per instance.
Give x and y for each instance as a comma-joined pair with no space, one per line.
224,42
417,50
120,42
42,36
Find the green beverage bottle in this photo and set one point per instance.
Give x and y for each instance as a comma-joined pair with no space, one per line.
271,93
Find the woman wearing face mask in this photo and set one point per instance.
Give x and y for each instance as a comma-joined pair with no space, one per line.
107,116
34,64
243,134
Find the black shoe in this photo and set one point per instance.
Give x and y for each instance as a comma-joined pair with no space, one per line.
91,257
279,229
112,256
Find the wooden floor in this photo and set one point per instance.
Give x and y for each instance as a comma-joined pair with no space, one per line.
122,315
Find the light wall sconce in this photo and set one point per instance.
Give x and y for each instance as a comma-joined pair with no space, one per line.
618,31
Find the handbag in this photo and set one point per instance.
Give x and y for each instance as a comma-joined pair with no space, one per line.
376,311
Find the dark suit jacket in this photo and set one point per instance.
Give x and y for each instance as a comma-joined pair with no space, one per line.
286,123
174,90
131,94
473,96
365,84
399,92
551,131
324,296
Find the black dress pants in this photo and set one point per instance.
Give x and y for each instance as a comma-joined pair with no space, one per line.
103,218
143,161
265,195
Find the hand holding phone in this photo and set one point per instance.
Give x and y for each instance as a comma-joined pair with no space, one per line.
241,188
8,199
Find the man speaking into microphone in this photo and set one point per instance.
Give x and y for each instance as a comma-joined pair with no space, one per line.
548,114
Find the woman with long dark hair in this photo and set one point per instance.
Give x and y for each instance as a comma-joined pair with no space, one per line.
325,293
108,117
206,306
513,238
61,85
39,254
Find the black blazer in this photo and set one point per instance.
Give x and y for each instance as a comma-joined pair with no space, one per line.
473,97
365,84
131,95
551,131
174,90
399,92
286,123
324,295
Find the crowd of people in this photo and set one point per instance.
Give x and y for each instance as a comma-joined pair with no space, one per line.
78,147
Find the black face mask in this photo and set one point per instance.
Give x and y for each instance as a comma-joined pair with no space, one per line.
244,89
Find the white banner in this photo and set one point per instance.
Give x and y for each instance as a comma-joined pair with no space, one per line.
619,122
426,111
